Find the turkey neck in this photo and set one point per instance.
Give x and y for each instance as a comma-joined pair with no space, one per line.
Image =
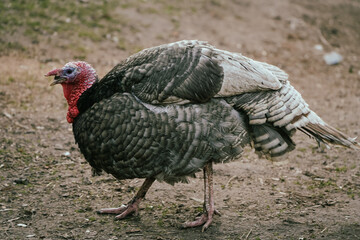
72,93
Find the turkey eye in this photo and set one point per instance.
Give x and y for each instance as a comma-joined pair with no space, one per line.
69,71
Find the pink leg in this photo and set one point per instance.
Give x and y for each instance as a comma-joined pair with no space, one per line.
133,206
209,207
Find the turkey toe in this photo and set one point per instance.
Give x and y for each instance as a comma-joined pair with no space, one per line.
112,210
198,222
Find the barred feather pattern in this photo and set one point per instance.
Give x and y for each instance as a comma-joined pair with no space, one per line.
131,139
275,115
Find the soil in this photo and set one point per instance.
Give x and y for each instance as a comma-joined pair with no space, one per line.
47,190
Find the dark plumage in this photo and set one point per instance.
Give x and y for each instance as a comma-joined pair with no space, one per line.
123,137
172,110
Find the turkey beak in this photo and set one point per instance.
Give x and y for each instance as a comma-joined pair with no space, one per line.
58,78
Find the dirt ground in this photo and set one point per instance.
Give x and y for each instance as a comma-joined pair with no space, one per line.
46,187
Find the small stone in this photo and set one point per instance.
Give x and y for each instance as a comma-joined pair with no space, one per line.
66,154
332,58
21,225
115,39
261,181
319,47
65,195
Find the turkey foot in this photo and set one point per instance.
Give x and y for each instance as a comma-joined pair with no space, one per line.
133,206
209,208
124,210
205,219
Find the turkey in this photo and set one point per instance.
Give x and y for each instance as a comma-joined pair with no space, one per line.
170,111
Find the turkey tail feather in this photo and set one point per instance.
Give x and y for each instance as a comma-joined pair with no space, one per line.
271,141
328,134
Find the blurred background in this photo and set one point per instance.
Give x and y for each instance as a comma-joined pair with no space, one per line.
46,187
103,31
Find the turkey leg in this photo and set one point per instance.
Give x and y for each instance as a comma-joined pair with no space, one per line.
133,205
209,208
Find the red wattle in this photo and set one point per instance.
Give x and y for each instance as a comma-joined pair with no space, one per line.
69,119
67,88
72,94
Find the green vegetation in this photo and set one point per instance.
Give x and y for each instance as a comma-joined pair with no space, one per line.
25,24
342,169
54,16
322,184
67,24
25,21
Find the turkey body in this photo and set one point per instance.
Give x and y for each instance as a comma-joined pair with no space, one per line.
130,139
172,110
